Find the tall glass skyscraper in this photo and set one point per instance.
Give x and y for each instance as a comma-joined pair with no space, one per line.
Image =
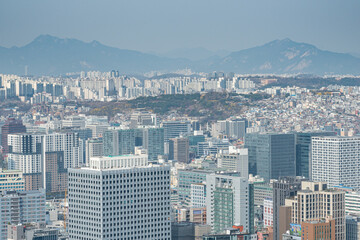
271,155
303,151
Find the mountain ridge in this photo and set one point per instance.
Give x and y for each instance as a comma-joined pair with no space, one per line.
49,55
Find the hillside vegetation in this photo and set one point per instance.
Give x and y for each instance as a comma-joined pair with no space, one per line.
209,106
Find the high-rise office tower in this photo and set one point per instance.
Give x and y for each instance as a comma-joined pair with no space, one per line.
234,160
153,141
179,149
271,155
173,129
69,143
336,160
56,178
232,128
98,129
121,197
121,141
10,126
227,202
303,151
283,188
93,148
20,207
124,141
315,202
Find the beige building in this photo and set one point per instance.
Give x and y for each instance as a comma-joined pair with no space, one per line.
315,202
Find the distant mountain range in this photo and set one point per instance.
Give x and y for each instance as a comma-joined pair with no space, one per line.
194,54
48,55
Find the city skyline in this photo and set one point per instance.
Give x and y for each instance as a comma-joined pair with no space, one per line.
180,120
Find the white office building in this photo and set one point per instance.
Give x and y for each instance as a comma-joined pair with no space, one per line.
198,195
336,160
234,160
227,202
173,129
73,121
268,212
352,203
120,197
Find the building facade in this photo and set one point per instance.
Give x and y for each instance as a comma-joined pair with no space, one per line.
173,129
179,149
185,179
268,212
227,202
153,141
198,195
93,148
352,227
283,188
119,197
235,160
44,158
271,155
315,202
303,151
11,126
11,180
336,160
20,207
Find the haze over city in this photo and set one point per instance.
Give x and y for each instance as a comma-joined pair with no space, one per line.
160,25
180,120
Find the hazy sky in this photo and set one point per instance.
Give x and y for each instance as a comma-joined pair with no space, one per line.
161,25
